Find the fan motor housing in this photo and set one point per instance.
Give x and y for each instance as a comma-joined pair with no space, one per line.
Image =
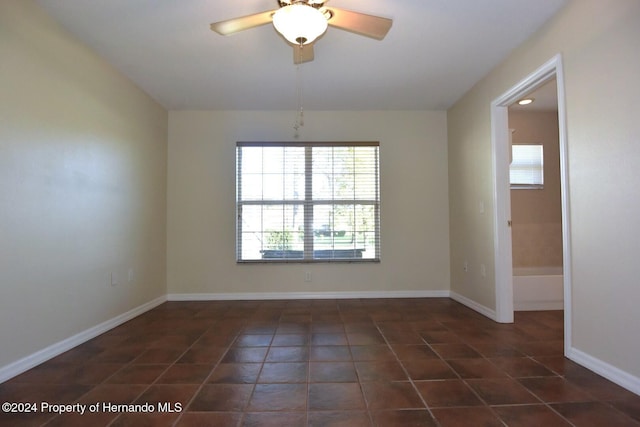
313,3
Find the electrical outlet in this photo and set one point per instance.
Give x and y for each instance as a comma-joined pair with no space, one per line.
114,278
307,276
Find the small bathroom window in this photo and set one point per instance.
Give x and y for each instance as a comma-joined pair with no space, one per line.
527,166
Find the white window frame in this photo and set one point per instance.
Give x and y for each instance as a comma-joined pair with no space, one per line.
309,255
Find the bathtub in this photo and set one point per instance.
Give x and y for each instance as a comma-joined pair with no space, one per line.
538,288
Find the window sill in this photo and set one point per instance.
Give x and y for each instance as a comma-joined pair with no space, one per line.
527,187
309,261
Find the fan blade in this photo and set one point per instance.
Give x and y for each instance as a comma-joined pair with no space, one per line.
375,27
303,53
231,26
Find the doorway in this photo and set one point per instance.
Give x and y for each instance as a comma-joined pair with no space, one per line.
536,214
501,151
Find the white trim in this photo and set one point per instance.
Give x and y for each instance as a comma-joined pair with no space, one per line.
610,372
243,296
566,212
503,257
485,311
19,366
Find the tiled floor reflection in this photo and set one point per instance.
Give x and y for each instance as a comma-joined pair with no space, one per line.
391,362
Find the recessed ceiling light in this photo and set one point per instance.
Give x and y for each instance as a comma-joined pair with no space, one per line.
525,101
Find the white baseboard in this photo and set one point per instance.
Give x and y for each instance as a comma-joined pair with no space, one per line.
610,372
243,296
485,311
19,366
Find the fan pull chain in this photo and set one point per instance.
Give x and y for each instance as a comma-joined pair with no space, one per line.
300,111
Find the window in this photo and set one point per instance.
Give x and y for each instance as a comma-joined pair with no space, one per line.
527,167
304,202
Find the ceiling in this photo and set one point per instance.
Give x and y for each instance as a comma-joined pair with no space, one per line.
435,51
545,99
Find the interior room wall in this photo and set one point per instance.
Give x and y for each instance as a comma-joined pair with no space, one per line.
536,215
601,66
201,200
82,185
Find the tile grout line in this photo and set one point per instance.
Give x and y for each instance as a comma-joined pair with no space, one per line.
104,382
204,382
491,407
360,387
415,388
516,379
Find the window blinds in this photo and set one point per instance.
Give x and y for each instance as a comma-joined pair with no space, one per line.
308,201
527,166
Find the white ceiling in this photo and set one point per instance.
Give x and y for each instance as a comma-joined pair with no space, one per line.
435,51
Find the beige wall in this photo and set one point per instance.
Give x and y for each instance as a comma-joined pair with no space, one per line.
82,187
598,41
536,232
201,192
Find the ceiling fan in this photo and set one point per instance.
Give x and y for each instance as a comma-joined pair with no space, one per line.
301,22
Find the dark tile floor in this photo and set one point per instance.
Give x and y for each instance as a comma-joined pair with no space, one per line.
397,362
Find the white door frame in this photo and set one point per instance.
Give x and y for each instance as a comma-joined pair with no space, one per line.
502,195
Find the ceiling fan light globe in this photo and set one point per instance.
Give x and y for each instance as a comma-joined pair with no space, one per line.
299,23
